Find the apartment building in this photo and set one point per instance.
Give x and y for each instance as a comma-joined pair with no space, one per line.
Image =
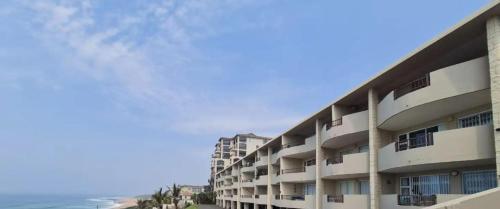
424,132
230,150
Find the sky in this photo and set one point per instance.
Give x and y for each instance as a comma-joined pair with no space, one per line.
123,97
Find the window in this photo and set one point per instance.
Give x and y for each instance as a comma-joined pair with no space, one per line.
310,162
477,119
346,187
364,187
309,189
415,139
478,181
425,185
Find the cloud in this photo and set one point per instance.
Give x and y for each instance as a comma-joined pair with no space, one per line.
148,56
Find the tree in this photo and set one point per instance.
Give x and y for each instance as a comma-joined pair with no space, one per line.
175,192
159,198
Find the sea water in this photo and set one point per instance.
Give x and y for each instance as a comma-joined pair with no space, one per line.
57,202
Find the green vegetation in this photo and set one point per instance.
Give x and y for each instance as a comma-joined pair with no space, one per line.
159,198
193,206
204,198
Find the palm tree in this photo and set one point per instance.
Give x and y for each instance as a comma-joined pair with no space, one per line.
175,195
159,198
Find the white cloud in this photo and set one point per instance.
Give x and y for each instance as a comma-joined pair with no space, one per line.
154,68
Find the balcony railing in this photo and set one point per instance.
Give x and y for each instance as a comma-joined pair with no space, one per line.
335,198
337,160
423,141
417,200
246,196
337,122
414,85
246,180
293,197
286,146
293,170
248,164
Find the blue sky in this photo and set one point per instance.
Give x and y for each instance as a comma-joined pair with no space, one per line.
122,97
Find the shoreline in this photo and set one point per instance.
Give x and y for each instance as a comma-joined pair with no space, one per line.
126,202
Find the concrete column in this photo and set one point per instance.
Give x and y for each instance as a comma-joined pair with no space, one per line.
374,144
269,187
319,160
238,198
493,36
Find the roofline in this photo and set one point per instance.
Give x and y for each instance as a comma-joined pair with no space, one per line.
414,52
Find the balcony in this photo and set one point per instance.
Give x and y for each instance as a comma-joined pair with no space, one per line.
394,201
446,149
351,201
261,180
351,166
246,198
351,128
235,172
302,174
261,199
301,150
248,168
247,183
428,99
296,201
274,158
262,161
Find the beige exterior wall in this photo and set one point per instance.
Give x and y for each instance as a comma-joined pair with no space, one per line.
356,164
457,145
493,38
350,202
446,83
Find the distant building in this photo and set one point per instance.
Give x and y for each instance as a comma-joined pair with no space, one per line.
229,150
187,191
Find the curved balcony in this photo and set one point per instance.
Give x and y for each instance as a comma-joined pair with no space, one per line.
247,183
350,201
261,199
299,151
351,166
296,201
275,178
261,180
347,130
248,169
446,149
435,95
262,162
302,174
246,198
274,158
235,172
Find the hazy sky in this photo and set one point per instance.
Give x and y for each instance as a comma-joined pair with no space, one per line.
122,97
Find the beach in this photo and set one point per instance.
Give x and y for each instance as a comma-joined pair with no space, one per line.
126,202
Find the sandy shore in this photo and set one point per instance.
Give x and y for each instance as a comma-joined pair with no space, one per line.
126,202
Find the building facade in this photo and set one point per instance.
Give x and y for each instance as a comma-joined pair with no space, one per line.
230,150
425,131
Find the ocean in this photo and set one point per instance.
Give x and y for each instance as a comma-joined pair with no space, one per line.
57,202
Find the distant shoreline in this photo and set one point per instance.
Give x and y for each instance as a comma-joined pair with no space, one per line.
126,202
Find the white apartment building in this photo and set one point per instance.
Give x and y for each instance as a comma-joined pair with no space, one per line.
230,150
425,132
